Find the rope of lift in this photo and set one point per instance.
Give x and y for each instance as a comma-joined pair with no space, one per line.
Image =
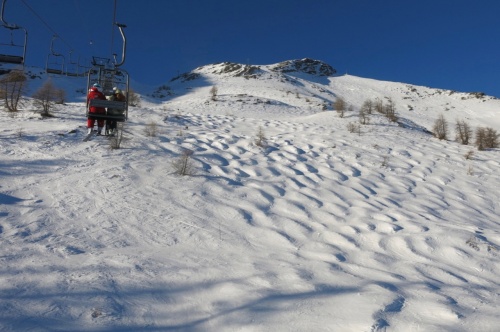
46,24
113,30
82,23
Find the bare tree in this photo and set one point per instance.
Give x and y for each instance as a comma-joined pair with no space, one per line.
480,138
379,106
364,117
183,165
491,138
45,97
463,132
367,106
12,87
390,110
60,96
340,106
440,129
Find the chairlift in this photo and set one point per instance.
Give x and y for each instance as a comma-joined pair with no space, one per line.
55,61
108,74
13,52
72,68
101,62
84,66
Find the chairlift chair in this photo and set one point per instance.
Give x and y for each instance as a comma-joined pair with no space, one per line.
109,75
109,78
14,52
72,68
55,61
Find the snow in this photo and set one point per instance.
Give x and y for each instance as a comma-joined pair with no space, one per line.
320,230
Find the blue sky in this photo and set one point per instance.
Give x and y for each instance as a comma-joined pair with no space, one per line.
448,44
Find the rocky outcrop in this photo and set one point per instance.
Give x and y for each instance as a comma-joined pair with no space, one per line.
235,69
186,77
306,65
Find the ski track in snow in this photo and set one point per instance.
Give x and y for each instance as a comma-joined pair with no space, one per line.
321,230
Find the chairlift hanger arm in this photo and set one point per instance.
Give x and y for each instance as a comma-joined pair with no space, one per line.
5,24
52,46
120,27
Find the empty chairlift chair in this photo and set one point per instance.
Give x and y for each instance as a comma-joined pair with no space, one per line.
13,42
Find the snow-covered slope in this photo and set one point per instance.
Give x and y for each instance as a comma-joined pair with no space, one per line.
320,229
311,89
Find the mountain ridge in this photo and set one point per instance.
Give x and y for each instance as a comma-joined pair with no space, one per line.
317,92
314,84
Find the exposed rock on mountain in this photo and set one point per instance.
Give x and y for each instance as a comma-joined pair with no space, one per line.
306,65
185,77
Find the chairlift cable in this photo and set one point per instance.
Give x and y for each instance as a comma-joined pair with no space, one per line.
46,24
82,22
113,29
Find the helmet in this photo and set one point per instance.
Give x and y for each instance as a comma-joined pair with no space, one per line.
114,88
97,85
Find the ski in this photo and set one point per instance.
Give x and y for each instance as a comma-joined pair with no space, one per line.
89,136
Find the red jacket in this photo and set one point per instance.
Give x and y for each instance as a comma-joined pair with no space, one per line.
95,94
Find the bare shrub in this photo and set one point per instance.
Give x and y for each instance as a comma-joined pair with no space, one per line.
364,117
470,170
385,161
183,164
486,138
340,106
114,143
463,132
60,96
116,140
261,139
354,127
213,93
469,154
440,128
133,98
151,129
12,88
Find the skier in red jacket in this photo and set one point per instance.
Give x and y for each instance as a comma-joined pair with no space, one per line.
94,93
